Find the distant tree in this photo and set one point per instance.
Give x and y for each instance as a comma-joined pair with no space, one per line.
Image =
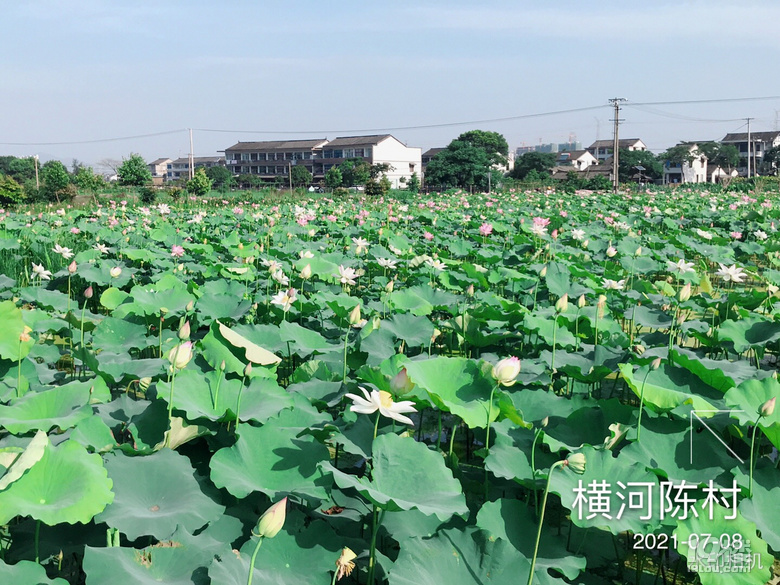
87,180
378,169
21,169
221,177
541,162
133,172
300,176
679,155
109,165
771,161
628,160
56,180
373,188
199,184
354,172
333,178
413,184
75,166
491,142
459,165
725,156
11,192
249,181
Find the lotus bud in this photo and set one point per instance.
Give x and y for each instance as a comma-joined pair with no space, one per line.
163,311
401,383
767,408
222,365
655,364
470,290
180,355
184,331
72,267
271,522
144,383
545,422
611,252
88,292
685,293
581,302
638,251
543,271
389,286
771,290
585,243
576,462
306,272
562,304
506,370
190,307
354,315
115,272
248,370
240,245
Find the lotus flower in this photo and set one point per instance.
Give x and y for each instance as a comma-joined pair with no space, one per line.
506,370
272,520
383,402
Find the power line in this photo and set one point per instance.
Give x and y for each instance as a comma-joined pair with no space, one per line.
396,128
674,116
96,141
709,101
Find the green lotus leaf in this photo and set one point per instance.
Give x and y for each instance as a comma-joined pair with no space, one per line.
63,407
414,330
752,332
66,485
669,387
699,540
422,300
513,521
195,392
48,299
665,449
606,470
648,317
462,557
762,510
13,326
138,425
543,325
456,385
112,297
94,435
24,460
116,367
748,397
155,494
172,565
720,374
273,459
406,475
303,341
27,573
510,453
587,426
119,335
558,278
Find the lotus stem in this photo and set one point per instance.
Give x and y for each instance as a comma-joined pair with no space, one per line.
170,398
252,561
752,446
487,438
541,520
537,434
219,383
641,405
37,540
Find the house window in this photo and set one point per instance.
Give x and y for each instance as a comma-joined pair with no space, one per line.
245,170
170,166
349,153
327,154
235,170
411,167
359,152
253,156
367,153
280,170
338,153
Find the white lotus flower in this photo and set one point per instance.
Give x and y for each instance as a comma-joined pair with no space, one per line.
610,284
760,235
280,277
361,243
539,230
680,267
703,234
731,273
285,299
578,234
436,264
66,253
102,248
387,263
347,275
39,271
383,402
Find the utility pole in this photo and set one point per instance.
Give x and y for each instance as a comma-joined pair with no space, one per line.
192,158
615,142
749,146
37,182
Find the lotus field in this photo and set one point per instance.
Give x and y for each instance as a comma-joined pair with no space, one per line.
442,389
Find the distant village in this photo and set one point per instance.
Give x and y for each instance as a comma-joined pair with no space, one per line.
272,161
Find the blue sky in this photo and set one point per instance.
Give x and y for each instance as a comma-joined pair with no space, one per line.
93,69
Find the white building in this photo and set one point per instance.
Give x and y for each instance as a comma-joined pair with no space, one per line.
689,171
579,159
602,149
403,160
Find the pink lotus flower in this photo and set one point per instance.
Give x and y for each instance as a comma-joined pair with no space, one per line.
177,251
486,229
428,236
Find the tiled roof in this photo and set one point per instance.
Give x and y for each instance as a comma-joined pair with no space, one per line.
278,145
